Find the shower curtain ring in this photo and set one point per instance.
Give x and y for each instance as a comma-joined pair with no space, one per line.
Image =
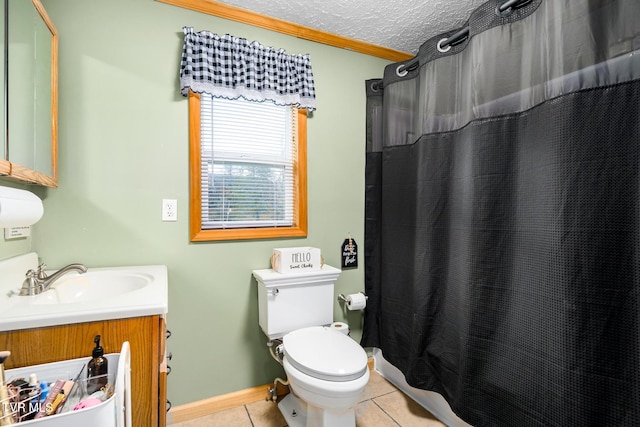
443,49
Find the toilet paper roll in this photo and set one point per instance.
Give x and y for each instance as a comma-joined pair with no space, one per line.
340,327
356,301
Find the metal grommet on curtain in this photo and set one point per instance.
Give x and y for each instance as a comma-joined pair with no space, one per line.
403,69
460,36
375,87
443,49
400,72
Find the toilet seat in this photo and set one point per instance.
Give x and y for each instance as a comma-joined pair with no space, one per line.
326,354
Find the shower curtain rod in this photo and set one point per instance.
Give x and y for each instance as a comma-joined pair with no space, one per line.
445,44
516,4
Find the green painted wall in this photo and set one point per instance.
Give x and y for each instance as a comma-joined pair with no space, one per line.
123,148
10,248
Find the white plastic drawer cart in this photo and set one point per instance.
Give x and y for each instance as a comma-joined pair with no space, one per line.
113,412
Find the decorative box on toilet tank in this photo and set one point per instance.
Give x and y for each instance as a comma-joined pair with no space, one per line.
296,260
287,302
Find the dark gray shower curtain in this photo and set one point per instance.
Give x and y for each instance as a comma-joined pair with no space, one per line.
502,247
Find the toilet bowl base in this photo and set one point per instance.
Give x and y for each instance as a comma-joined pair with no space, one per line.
299,414
293,410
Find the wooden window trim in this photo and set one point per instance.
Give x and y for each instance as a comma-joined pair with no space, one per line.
197,234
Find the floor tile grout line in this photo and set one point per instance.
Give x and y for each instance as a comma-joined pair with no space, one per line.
385,412
383,394
379,395
248,415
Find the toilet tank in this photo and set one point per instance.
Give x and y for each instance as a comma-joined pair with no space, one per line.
290,301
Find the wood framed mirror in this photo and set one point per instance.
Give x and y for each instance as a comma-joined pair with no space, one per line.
30,94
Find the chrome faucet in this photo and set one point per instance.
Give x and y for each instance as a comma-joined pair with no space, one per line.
37,282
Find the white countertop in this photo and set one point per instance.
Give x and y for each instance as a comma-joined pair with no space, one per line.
23,312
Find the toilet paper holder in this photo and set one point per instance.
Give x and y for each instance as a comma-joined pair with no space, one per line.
343,297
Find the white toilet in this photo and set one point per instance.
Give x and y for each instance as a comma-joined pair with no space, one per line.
326,369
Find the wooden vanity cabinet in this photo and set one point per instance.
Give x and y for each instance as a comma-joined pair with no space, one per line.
146,336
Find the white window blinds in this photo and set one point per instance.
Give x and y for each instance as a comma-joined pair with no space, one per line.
248,162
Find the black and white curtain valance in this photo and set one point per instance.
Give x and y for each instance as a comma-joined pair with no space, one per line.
231,67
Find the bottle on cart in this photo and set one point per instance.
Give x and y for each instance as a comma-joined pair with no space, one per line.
97,369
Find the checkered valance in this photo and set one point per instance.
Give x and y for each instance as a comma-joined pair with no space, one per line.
231,67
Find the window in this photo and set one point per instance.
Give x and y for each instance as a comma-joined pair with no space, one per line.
248,169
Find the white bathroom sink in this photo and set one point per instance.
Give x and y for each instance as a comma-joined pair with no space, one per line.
99,294
92,285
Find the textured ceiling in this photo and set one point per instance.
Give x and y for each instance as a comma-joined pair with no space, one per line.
397,24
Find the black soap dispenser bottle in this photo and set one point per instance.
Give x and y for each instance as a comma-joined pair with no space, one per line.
97,368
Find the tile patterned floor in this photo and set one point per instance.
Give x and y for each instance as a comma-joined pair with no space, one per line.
382,406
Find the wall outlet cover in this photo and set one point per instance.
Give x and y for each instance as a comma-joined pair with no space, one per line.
169,210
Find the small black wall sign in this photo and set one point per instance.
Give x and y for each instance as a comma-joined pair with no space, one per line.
349,253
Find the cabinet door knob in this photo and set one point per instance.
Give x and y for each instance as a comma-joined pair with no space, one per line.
168,333
169,356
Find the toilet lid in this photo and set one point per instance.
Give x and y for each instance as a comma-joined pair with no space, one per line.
326,354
